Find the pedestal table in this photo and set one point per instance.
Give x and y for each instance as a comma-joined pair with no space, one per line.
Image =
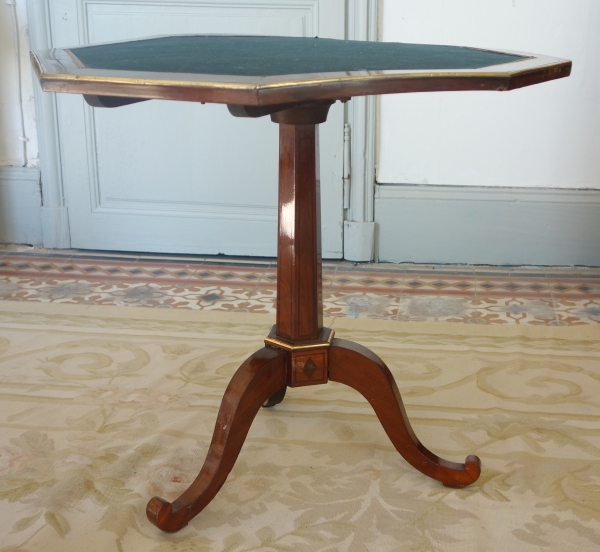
295,81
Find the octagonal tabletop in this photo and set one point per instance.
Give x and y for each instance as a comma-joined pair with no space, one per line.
262,71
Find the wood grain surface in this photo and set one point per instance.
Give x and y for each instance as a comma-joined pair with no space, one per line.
299,271
256,380
359,368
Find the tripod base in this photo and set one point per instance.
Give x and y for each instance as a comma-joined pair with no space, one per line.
262,381
299,351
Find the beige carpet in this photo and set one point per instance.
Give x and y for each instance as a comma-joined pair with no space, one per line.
103,407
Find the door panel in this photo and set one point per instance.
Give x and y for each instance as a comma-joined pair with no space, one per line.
185,177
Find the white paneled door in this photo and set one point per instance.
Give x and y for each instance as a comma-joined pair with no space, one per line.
184,177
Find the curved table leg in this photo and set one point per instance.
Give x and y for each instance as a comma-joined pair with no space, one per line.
361,369
276,398
256,380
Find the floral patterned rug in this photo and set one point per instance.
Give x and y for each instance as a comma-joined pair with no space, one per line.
102,408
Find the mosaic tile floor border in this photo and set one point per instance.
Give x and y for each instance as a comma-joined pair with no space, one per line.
458,294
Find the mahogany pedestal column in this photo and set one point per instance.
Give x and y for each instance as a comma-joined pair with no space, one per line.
298,350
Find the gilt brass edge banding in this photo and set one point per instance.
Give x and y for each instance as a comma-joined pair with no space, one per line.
308,80
291,347
74,58
377,78
466,75
36,63
92,79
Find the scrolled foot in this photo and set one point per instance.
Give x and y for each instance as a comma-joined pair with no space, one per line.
257,379
466,474
159,512
361,369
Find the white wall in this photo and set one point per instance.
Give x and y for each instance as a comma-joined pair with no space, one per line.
10,125
543,136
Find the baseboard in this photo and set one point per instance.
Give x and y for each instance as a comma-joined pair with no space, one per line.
20,205
497,226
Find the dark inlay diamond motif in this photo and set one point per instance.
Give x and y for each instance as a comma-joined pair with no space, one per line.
560,288
512,286
158,272
465,285
343,280
414,284
584,288
90,269
114,270
210,297
391,282
67,268
204,274
181,273
309,368
227,275
440,284
537,287
45,267
368,281
272,277
134,271
23,266
250,277
488,286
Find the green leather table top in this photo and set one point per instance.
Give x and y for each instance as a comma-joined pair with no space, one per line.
270,56
262,70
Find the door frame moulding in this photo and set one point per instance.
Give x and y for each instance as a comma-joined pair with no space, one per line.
361,24
55,220
359,225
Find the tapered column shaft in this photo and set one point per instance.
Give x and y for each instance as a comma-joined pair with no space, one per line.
299,295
